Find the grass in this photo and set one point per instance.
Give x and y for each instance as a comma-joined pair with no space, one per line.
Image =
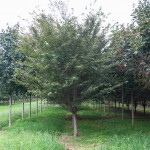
16,112
39,133
29,141
97,131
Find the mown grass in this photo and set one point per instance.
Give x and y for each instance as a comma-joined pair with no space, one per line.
16,112
41,132
97,131
26,140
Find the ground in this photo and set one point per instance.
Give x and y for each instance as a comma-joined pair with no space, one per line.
52,130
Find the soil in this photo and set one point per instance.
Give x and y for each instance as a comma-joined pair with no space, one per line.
67,141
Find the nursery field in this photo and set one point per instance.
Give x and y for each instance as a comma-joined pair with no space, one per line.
52,130
75,81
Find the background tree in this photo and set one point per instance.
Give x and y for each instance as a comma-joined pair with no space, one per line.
141,16
8,45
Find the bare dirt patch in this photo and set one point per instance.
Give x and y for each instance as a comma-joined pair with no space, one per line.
67,141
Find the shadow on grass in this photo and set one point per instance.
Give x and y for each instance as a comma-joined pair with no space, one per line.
94,126
50,120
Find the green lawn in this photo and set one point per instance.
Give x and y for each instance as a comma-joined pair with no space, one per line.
39,133
52,129
16,112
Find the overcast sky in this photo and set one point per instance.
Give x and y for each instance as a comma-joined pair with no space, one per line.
11,10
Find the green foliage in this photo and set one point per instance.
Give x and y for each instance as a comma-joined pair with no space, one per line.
131,54
64,57
141,16
8,46
9,42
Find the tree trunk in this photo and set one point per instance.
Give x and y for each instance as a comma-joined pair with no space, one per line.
11,100
23,107
30,107
122,103
10,110
132,104
37,105
75,129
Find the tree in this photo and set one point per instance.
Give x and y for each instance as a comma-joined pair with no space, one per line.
125,43
8,45
65,56
141,16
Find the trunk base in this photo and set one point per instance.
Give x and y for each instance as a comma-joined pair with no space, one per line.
75,129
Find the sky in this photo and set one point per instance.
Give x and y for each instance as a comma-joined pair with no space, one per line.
12,10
